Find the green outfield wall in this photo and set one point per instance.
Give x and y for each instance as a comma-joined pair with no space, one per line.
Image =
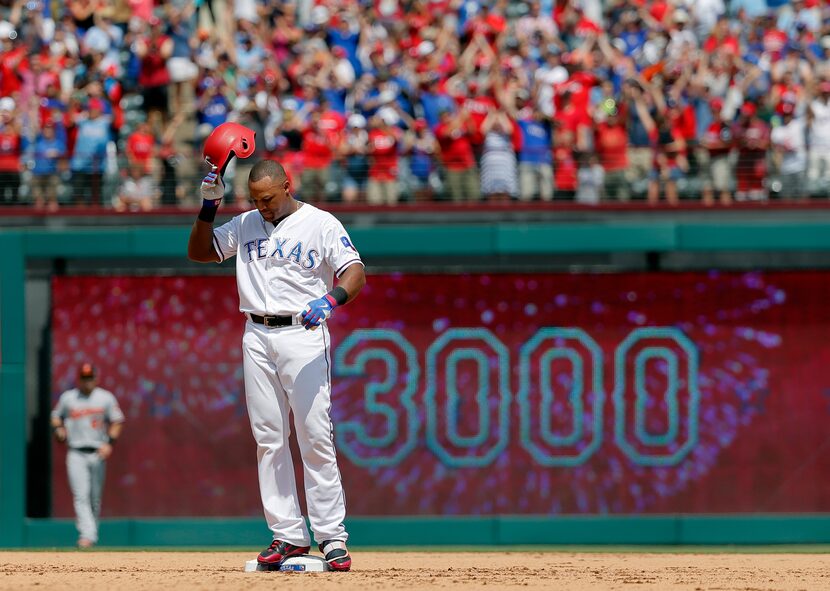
22,248
457,531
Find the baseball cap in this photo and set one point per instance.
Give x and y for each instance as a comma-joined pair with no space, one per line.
425,48
785,108
320,15
207,82
86,371
357,120
388,115
7,103
749,109
7,30
680,16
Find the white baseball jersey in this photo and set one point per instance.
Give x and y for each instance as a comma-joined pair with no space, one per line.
791,138
279,269
820,126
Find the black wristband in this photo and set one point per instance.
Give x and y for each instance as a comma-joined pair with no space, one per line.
339,295
111,440
208,211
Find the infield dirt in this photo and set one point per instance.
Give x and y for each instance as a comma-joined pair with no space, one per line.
184,571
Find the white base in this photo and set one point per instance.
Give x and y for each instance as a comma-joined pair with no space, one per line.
298,564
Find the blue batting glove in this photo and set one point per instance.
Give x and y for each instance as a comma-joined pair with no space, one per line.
317,312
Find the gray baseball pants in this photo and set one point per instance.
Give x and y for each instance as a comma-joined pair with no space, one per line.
86,481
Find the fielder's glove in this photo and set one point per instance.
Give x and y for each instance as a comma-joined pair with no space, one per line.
317,311
212,189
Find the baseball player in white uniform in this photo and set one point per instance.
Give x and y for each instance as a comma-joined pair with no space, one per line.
287,256
89,420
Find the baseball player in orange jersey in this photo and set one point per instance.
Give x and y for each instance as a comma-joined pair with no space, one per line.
287,256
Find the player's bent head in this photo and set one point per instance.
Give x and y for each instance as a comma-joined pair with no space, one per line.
270,189
270,169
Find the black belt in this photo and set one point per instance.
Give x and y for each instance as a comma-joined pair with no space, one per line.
85,450
272,321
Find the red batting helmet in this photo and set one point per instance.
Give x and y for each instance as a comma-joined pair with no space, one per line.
225,142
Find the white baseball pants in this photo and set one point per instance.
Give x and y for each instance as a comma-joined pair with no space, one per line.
289,369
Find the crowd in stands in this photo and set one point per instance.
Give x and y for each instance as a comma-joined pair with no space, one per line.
107,102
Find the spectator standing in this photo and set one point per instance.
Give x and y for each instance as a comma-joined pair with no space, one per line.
640,151
169,160
105,39
564,162
718,142
590,179
669,162
535,152
790,150
353,154
48,149
213,106
434,101
89,155
180,65
382,186
499,178
332,122
453,135
51,106
285,32
138,192
752,135
475,100
141,147
536,25
818,171
550,74
288,143
422,149
89,421
154,50
611,145
10,152
318,152
252,115
248,55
